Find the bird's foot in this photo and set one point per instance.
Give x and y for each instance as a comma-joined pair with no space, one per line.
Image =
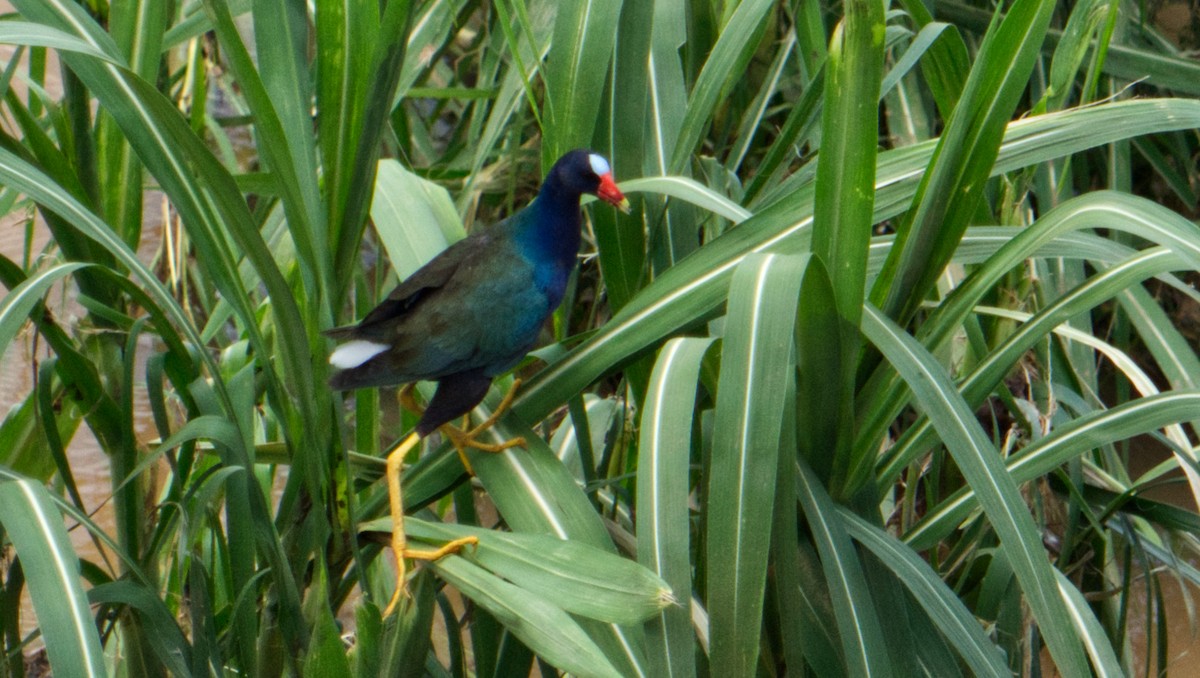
407,401
395,462
463,438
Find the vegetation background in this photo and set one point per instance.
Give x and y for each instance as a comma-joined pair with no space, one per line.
886,373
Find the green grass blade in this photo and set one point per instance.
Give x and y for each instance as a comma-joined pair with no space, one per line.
585,34
1172,352
348,215
432,25
689,190
346,33
1126,63
20,301
1102,209
137,26
545,628
52,571
37,35
163,634
513,85
666,90
824,417
1077,437
979,462
756,370
275,91
1095,638
954,182
621,239
415,218
842,216
214,212
175,156
662,501
1108,210
726,62
942,605
755,115
579,578
863,648
194,22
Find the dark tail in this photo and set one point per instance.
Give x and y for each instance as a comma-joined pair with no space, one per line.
363,376
341,333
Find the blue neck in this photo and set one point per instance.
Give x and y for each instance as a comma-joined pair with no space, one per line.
549,233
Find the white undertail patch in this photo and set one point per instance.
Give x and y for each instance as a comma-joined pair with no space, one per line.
599,164
354,353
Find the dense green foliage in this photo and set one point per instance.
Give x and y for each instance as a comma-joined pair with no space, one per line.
848,393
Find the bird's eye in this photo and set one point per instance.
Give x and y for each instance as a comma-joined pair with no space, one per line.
599,165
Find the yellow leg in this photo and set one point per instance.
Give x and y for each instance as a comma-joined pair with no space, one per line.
464,438
395,463
407,401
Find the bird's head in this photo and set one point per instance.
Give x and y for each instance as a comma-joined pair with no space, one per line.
588,172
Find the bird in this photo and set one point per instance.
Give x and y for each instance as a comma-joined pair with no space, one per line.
470,314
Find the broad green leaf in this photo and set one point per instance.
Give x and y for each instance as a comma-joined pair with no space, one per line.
979,463
580,579
52,571
537,494
689,190
414,217
842,216
585,34
755,378
945,610
964,158
725,63
662,501
38,35
1061,445
544,627
19,302
863,648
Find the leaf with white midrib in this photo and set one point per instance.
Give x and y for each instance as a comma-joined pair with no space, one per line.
755,389
663,487
980,463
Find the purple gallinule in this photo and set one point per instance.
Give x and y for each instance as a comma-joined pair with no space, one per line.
470,314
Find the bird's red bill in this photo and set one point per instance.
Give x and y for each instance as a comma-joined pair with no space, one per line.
609,193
